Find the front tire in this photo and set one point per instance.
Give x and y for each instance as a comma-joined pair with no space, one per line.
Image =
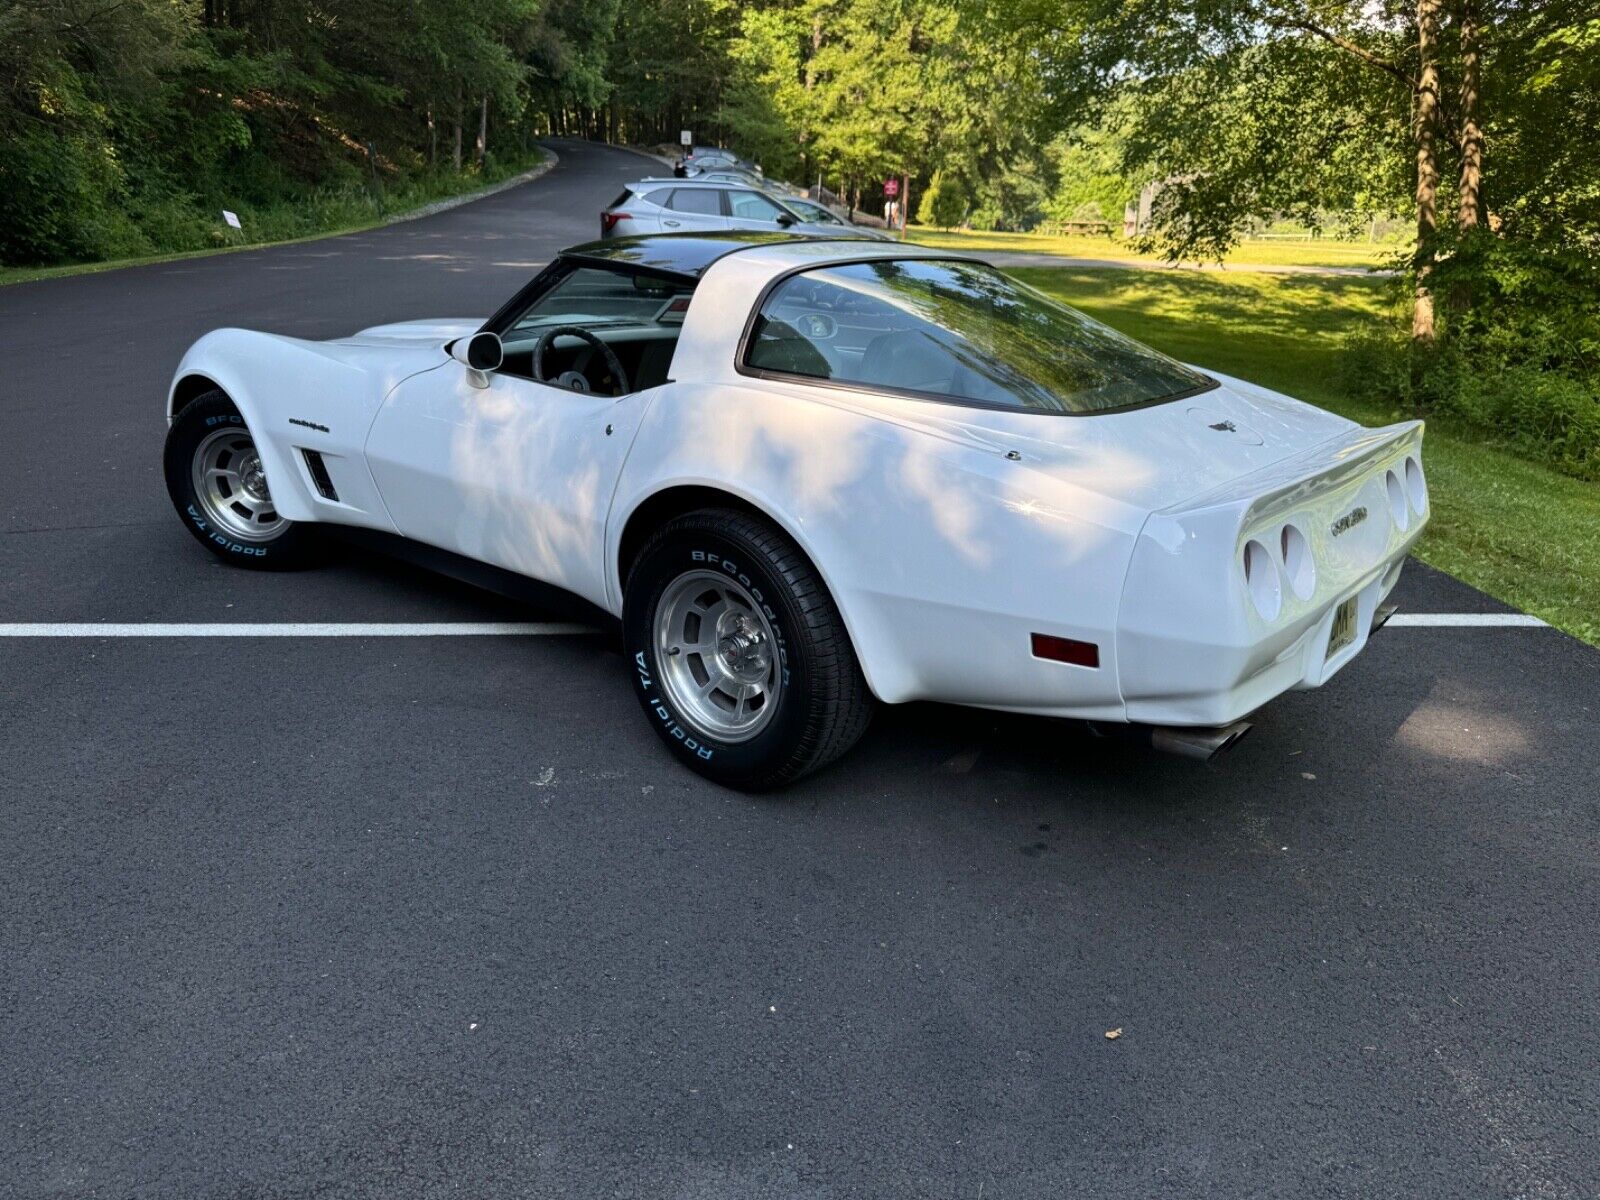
215,478
740,659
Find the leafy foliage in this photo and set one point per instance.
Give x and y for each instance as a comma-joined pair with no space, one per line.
1519,362
126,127
944,203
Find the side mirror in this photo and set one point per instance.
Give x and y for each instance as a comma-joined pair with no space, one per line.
480,351
786,220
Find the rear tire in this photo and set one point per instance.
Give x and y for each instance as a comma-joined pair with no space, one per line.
764,686
217,484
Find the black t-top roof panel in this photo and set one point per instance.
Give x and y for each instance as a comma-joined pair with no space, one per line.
687,254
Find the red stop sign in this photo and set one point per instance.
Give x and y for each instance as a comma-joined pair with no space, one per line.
891,187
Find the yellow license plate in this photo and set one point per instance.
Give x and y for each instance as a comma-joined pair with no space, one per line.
1344,627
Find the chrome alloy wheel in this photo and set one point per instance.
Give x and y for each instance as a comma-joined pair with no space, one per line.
232,486
716,656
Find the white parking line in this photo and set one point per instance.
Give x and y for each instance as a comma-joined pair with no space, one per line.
246,629
1465,620
295,629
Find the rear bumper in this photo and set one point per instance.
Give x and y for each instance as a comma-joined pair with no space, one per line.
1199,643
1214,684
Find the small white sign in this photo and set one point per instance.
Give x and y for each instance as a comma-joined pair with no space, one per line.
231,219
686,137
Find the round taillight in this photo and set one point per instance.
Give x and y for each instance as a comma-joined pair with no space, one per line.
1299,568
1397,502
1261,578
1416,486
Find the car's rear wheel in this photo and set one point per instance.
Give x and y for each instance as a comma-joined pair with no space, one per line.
219,487
741,660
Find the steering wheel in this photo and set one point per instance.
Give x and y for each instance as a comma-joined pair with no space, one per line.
575,380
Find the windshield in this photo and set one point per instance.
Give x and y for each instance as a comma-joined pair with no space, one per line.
814,213
957,331
593,296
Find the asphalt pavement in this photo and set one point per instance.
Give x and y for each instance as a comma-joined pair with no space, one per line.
340,917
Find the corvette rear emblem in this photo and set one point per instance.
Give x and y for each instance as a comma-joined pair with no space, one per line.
1349,521
1225,427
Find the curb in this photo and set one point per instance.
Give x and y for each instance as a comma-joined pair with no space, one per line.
72,271
445,205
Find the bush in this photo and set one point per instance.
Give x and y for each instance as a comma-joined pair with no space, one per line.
56,189
1517,357
944,203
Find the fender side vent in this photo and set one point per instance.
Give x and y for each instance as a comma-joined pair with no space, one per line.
319,475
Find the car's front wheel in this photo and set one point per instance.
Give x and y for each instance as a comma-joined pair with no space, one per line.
739,656
217,483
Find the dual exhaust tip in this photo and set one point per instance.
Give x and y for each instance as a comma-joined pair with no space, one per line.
1202,743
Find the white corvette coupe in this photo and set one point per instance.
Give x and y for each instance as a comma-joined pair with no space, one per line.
811,475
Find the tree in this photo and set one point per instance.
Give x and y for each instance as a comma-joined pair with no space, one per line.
944,201
1424,124
1257,109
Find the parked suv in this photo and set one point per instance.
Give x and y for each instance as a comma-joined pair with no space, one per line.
696,206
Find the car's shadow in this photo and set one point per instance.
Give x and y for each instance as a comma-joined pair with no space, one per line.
1345,730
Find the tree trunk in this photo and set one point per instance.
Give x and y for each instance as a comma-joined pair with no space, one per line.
433,140
1471,210
1425,120
482,147
457,155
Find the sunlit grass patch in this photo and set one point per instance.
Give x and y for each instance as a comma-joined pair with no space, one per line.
1310,252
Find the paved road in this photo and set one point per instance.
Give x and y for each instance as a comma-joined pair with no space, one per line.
426,917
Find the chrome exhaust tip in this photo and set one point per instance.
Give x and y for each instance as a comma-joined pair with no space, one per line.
1200,742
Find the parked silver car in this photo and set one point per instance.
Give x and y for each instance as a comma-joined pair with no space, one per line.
731,175
699,206
814,213
715,159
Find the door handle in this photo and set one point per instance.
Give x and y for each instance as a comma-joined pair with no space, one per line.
674,224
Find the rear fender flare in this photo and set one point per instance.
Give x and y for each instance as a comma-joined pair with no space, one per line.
702,493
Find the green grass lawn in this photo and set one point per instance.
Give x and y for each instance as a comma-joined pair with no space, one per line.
1310,252
1516,530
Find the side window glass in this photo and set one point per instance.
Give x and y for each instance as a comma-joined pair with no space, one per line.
780,346
792,338
752,206
705,201
658,197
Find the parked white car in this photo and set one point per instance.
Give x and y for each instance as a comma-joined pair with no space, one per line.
710,206
809,476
